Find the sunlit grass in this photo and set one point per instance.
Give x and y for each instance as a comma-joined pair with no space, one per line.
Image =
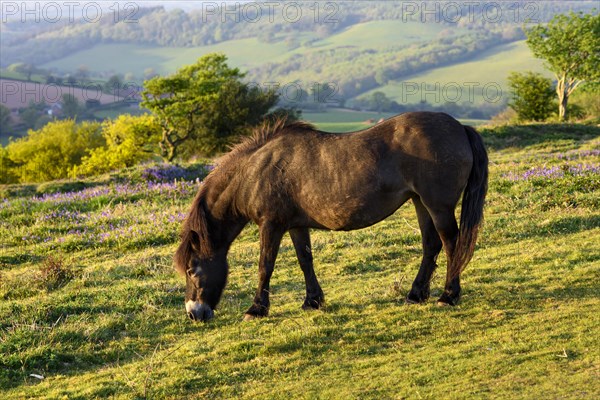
114,324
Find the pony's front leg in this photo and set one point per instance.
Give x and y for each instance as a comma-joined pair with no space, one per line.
270,239
314,294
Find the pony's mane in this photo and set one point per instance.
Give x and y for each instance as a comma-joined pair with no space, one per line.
264,133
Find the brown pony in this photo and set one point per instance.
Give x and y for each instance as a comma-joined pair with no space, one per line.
292,177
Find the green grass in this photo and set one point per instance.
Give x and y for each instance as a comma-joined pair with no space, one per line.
6,74
346,120
105,318
123,58
490,67
385,33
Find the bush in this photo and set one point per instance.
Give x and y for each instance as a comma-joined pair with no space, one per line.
53,151
532,96
129,141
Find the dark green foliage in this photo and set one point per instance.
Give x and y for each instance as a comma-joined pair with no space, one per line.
5,120
532,96
204,106
70,105
30,115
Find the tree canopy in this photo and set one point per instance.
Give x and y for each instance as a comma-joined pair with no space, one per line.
570,46
204,106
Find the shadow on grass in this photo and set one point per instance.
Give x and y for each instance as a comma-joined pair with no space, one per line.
60,345
520,136
15,260
561,226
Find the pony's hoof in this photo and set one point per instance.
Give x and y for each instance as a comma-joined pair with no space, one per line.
410,300
313,304
418,294
249,317
255,311
446,300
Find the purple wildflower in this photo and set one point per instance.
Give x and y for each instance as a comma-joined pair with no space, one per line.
554,172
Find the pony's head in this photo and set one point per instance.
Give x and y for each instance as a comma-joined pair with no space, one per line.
205,270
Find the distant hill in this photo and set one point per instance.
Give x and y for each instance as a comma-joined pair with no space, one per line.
357,47
490,67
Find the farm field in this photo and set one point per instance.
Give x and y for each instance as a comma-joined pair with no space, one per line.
91,303
490,67
18,94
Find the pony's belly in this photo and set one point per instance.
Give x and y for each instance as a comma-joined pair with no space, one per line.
352,214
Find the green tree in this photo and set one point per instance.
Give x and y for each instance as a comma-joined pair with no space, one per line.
204,105
129,141
235,109
379,102
82,73
113,85
70,105
22,68
53,151
5,119
532,95
29,117
570,45
382,76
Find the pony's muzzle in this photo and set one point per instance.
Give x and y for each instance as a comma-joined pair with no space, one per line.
198,311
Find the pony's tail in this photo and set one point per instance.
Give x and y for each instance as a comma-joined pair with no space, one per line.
471,214
194,235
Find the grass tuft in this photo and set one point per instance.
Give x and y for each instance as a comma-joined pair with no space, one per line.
55,272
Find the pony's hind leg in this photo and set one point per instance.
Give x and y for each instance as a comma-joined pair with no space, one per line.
270,239
445,224
432,245
314,294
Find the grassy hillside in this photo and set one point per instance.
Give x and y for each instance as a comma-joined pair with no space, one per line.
91,303
386,33
245,53
492,66
123,58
